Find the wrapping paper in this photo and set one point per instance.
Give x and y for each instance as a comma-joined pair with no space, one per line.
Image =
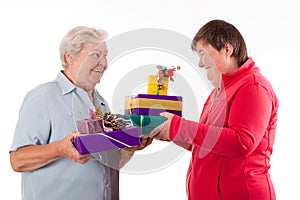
97,142
152,85
149,104
146,123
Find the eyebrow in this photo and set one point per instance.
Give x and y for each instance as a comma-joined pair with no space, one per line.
96,50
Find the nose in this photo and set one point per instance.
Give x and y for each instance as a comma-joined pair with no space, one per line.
103,63
201,63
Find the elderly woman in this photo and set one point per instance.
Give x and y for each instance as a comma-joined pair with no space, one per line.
42,146
232,142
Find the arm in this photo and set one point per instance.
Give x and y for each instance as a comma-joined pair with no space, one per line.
162,131
247,122
29,158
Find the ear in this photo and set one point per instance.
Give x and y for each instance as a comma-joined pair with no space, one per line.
229,49
68,58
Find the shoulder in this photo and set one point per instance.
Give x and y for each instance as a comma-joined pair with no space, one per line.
43,91
257,83
256,78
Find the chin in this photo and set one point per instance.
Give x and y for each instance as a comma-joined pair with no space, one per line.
96,80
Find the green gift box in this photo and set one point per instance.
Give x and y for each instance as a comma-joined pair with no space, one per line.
146,123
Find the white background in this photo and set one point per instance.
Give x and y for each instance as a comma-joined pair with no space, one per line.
32,30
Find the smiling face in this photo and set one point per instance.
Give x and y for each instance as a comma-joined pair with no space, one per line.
209,59
216,62
87,68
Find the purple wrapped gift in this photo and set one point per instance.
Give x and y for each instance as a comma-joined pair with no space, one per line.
97,142
151,104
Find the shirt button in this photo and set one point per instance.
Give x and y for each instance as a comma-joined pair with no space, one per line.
70,114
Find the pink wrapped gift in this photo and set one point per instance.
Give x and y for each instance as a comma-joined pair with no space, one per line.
89,126
92,125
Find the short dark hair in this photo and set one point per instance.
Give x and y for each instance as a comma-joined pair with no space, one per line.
217,33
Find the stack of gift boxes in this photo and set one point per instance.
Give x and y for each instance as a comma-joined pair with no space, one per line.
142,114
145,109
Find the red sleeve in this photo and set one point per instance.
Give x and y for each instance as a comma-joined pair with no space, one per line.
248,119
174,127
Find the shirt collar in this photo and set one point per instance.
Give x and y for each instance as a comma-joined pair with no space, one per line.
65,84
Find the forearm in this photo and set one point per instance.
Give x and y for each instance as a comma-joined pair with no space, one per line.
248,120
30,158
231,142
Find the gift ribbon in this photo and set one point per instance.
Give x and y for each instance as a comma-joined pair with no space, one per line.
154,103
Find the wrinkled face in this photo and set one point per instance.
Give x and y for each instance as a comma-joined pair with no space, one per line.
211,60
90,65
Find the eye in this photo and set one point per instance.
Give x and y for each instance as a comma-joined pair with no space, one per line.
200,52
97,55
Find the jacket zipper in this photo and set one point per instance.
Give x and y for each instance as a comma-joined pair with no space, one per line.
187,185
211,106
219,189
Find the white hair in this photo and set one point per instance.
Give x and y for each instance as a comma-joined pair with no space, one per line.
76,39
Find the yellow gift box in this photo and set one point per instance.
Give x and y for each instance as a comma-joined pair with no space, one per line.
153,85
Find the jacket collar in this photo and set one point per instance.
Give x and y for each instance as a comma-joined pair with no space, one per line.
248,66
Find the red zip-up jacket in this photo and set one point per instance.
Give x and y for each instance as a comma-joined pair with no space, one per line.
232,143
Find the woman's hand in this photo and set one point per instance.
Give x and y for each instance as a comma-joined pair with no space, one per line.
162,132
66,148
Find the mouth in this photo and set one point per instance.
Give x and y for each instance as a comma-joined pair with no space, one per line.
98,70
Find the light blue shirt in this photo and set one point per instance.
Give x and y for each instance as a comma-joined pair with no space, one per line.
48,114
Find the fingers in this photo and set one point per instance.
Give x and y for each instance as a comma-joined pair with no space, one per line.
166,115
72,135
145,141
67,149
76,157
149,141
82,159
162,132
159,137
156,130
143,144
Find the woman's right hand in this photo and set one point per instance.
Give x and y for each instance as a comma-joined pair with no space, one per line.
66,148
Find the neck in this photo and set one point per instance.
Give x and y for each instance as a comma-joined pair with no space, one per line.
90,91
232,69
69,75
91,96
233,66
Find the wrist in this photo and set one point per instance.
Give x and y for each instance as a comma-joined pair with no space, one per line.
57,148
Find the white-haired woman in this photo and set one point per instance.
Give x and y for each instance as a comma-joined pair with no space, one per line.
42,146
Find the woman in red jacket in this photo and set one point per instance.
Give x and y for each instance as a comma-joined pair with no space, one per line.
233,140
